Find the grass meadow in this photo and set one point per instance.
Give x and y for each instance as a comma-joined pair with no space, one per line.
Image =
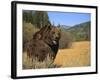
76,56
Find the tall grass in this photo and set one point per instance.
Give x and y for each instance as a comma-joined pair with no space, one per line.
29,63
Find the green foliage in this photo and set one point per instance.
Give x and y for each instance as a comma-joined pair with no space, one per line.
80,32
37,18
41,18
27,16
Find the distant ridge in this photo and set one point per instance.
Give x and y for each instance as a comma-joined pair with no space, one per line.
80,31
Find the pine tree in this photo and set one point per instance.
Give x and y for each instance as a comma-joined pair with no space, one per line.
41,19
37,18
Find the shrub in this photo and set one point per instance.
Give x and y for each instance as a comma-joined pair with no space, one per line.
66,40
28,31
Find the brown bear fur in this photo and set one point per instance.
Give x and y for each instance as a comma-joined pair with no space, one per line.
45,42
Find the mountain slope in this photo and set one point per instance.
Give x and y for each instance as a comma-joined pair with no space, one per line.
81,31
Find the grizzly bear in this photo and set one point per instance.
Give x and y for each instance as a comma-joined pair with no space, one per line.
45,42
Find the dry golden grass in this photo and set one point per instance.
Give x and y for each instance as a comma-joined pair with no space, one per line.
78,55
35,64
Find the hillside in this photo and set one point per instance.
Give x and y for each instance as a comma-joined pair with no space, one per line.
64,27
80,32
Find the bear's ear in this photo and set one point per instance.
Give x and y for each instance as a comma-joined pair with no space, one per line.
37,36
48,27
59,29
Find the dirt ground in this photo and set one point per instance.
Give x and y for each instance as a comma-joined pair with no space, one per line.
76,56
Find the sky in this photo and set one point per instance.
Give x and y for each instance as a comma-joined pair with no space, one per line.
68,18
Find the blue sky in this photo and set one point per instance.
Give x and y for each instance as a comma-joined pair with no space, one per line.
68,18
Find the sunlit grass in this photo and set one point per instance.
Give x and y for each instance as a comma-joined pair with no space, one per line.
28,63
76,56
